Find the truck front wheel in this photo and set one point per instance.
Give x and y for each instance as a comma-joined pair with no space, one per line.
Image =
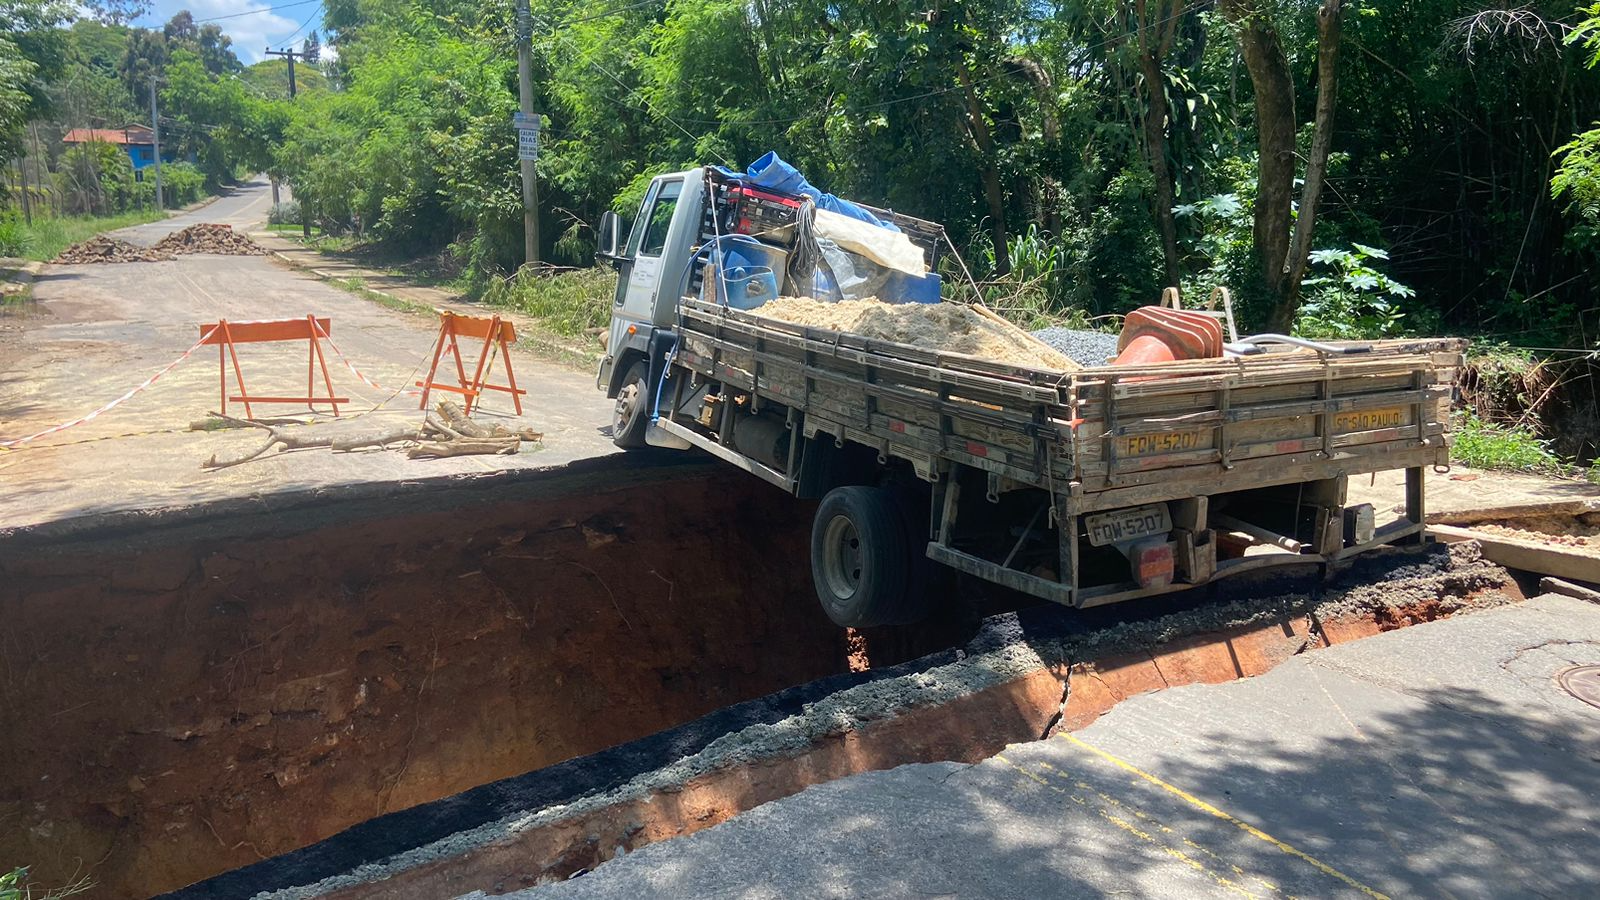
861,559
631,415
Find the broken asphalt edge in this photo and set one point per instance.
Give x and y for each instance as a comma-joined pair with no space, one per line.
328,505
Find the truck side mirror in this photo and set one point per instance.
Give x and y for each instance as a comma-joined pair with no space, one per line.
609,238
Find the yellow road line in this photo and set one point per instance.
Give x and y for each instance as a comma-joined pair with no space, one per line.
1146,817
1244,826
1174,852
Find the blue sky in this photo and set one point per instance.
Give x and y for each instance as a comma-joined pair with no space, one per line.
251,33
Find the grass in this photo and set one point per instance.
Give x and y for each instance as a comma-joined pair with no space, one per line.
1486,445
47,237
568,303
359,288
292,229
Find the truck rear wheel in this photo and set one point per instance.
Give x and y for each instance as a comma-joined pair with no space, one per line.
631,416
861,559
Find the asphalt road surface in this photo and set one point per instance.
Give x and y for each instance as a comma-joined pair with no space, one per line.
96,331
1439,760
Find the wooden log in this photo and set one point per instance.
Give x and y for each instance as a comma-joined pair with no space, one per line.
465,447
457,419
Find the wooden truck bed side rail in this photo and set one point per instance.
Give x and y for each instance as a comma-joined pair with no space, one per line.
1203,426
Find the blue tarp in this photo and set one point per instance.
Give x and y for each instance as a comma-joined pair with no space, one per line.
773,173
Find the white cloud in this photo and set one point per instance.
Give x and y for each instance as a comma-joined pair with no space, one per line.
251,34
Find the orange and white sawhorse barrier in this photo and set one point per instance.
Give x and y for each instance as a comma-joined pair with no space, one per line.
227,335
497,336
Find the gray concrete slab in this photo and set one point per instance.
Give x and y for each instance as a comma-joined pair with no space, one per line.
96,331
1439,760
1462,492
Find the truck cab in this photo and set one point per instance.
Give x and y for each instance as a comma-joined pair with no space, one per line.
653,271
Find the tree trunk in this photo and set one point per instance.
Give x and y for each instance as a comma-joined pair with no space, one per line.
1294,266
1268,66
1155,141
1050,126
1155,40
988,171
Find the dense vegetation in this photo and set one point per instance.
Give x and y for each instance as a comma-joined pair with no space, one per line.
1030,129
1349,167
1085,153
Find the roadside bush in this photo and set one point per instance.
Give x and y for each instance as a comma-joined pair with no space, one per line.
14,237
181,183
287,213
567,303
1486,445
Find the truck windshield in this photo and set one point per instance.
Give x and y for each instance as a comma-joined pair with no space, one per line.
660,218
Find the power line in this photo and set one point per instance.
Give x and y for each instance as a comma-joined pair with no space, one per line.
606,12
314,14
257,12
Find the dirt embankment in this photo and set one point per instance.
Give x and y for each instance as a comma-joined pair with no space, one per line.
183,701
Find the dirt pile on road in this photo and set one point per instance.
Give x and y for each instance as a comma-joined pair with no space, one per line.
210,238
102,249
944,327
1582,532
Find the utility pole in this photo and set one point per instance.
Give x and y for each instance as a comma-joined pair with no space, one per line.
27,200
291,55
530,177
155,127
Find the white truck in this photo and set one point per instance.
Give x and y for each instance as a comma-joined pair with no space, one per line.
1083,488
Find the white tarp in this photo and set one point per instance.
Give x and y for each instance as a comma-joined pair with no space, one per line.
891,249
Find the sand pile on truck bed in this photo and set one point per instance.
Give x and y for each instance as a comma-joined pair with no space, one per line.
209,238
946,327
102,249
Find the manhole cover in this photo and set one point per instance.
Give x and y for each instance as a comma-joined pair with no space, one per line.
1582,682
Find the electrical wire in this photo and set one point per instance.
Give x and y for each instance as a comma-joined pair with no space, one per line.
606,12
256,12
674,122
314,14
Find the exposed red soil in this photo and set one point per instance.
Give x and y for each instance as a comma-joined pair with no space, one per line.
968,729
174,710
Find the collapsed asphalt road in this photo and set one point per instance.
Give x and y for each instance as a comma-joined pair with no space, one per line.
1438,760
96,331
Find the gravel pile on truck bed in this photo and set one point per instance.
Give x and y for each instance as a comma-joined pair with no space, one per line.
947,327
1089,349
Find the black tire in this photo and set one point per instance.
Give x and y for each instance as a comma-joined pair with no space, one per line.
861,559
631,416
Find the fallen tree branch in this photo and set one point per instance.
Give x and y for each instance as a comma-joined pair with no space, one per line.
292,441
457,419
465,447
392,436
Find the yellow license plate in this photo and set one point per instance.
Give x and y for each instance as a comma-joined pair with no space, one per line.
1159,442
1369,419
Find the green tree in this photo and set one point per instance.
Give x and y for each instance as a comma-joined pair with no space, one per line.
1578,178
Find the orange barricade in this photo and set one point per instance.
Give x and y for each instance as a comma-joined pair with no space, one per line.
496,334
227,334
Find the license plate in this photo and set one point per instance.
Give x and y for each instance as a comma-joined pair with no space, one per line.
1369,419
1128,524
1160,442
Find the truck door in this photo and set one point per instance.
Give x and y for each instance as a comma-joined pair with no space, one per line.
647,244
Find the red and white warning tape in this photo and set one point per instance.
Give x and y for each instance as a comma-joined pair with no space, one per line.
113,404
324,336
